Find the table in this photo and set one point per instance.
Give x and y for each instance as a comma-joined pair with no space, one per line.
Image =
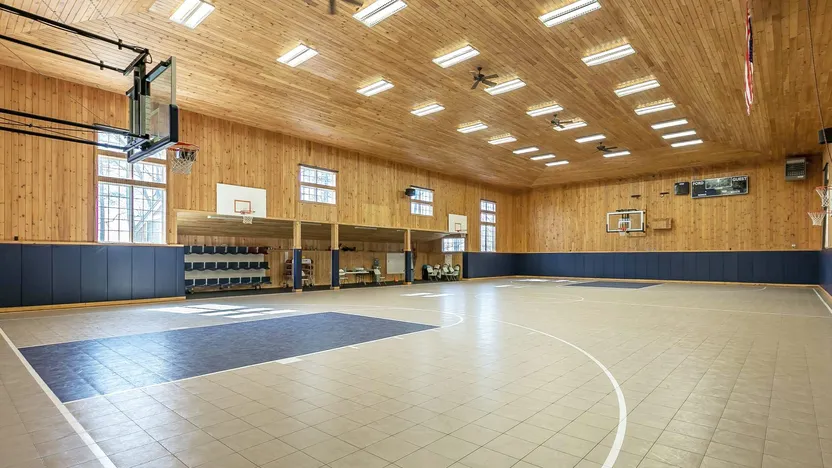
358,275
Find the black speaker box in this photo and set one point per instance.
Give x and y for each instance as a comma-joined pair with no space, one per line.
825,136
409,192
681,188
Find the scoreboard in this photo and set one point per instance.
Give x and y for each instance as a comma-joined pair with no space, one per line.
719,187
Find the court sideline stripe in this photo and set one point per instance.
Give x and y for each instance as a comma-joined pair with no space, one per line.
821,300
70,418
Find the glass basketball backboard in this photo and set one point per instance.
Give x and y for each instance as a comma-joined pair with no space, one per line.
625,221
153,111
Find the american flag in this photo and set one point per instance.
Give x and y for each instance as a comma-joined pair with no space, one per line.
749,59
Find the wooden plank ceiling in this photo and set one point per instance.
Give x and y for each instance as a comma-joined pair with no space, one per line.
695,48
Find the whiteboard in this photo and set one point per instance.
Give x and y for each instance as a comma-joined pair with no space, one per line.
395,263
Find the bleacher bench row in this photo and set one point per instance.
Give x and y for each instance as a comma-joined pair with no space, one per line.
253,280
225,249
224,266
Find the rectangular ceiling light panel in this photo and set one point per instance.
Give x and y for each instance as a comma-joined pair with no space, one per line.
670,123
502,140
609,55
671,136
571,126
379,11
429,109
655,108
530,149
589,138
192,12
298,55
557,163
375,88
474,127
637,88
686,143
456,57
501,88
543,157
570,12
616,154
545,110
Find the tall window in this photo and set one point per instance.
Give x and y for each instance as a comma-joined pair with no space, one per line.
453,244
315,185
422,202
131,198
488,226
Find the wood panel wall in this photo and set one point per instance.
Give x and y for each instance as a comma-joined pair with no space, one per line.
48,187
772,216
369,190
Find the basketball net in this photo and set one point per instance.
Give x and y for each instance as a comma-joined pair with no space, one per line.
825,193
182,157
817,217
248,217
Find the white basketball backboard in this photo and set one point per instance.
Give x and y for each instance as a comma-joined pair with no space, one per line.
233,200
458,223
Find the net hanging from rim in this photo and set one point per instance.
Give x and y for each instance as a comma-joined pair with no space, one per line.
248,217
825,192
817,217
182,157
622,231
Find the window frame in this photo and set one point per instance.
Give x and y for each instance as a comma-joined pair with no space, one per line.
455,240
131,183
488,226
420,202
319,186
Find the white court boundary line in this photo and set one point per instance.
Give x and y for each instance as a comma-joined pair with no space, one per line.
621,430
821,300
70,418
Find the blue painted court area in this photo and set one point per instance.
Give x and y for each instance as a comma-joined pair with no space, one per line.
85,369
615,284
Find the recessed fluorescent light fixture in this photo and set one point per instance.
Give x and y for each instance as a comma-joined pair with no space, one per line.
501,88
470,128
375,88
589,138
571,126
609,55
530,149
542,157
379,11
557,163
457,56
502,139
298,55
425,110
655,108
570,12
616,154
192,12
686,143
545,110
670,123
637,88
671,136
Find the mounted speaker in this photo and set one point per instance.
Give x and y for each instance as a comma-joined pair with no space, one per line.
681,188
825,136
410,192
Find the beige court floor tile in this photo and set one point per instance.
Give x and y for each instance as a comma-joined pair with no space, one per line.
544,457
392,448
267,452
360,459
294,460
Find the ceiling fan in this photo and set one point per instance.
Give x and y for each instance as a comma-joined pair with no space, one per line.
480,78
332,4
556,122
605,149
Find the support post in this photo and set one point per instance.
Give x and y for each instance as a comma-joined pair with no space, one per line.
336,264
297,258
408,259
